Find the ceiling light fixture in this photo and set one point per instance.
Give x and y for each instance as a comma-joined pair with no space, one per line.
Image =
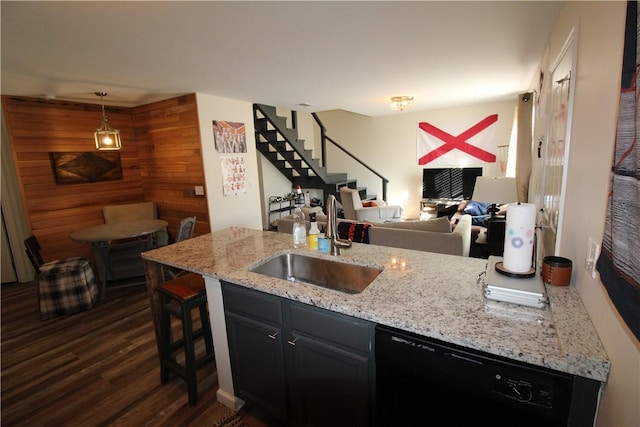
107,138
401,103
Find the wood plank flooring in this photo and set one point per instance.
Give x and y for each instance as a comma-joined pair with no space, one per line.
96,368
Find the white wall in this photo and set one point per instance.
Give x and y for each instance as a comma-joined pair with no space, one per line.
242,210
600,32
388,145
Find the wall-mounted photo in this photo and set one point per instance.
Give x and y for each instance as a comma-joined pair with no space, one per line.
76,168
234,180
229,137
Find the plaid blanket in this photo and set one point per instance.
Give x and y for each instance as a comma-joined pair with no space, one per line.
66,286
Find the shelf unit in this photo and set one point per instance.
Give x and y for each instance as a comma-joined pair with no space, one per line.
278,205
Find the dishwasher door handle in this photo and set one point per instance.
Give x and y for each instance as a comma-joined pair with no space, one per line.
468,359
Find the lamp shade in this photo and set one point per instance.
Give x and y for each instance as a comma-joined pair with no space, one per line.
494,189
106,137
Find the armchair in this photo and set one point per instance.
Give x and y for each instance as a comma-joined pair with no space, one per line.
354,209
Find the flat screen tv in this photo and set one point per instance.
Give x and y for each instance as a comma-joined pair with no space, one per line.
449,183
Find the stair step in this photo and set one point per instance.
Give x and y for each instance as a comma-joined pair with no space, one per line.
336,178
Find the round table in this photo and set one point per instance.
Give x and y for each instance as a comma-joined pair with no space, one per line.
137,234
119,230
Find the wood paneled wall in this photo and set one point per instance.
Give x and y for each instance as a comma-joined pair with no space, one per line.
171,163
165,140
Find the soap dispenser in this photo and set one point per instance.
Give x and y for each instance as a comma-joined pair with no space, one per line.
313,232
299,229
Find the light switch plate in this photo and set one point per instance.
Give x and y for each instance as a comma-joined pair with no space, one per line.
593,250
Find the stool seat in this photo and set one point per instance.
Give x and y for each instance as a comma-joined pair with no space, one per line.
178,298
184,287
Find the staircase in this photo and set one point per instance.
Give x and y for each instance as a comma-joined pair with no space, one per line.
281,146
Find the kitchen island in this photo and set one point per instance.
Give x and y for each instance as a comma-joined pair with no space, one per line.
433,295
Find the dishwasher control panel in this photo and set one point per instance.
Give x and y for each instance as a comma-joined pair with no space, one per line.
523,390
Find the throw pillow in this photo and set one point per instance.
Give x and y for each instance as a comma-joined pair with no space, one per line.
438,225
354,231
369,204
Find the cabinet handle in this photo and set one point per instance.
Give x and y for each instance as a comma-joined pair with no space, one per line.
293,343
274,335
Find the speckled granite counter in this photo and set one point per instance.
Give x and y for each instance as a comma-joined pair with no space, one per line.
436,296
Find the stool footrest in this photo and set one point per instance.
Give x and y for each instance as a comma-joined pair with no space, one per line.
179,343
181,370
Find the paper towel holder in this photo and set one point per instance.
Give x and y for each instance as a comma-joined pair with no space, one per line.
499,267
525,275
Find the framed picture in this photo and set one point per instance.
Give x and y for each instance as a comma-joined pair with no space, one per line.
234,181
229,137
83,167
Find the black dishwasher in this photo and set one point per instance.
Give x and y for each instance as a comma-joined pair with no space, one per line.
426,382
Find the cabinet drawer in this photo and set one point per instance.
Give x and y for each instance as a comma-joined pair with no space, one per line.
332,327
252,303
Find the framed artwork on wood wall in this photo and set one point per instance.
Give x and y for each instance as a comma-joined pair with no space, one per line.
83,167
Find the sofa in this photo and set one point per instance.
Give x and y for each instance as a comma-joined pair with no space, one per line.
433,235
372,210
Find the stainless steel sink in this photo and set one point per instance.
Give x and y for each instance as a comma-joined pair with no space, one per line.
328,273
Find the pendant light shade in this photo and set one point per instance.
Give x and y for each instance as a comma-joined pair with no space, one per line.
106,137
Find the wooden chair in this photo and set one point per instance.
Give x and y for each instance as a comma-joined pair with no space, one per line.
185,231
65,286
178,298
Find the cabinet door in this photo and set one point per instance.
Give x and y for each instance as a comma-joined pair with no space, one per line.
257,364
329,385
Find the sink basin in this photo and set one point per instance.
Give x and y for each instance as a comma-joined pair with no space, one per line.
327,273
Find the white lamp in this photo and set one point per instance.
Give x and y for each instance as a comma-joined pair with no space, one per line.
106,137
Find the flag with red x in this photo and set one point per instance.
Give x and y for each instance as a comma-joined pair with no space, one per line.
439,147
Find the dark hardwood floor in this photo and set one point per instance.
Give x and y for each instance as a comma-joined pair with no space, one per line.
96,368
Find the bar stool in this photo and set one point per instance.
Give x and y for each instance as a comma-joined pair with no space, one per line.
178,297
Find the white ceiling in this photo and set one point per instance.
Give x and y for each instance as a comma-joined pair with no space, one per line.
333,55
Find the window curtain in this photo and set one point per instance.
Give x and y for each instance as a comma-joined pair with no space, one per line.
13,212
519,158
619,261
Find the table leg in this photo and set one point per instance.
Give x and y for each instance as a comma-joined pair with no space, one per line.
101,254
154,274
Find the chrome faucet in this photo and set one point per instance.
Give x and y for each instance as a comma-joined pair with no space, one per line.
332,229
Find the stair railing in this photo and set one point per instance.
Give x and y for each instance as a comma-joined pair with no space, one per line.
323,144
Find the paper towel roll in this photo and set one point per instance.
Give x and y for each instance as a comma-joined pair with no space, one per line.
519,237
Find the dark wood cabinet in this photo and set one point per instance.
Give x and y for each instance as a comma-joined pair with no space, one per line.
329,385
258,363
302,364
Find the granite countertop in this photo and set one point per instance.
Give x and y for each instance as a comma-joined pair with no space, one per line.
437,296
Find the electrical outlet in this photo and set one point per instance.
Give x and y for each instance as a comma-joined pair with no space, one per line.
593,250
199,190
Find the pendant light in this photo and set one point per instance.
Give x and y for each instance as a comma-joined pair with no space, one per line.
106,137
